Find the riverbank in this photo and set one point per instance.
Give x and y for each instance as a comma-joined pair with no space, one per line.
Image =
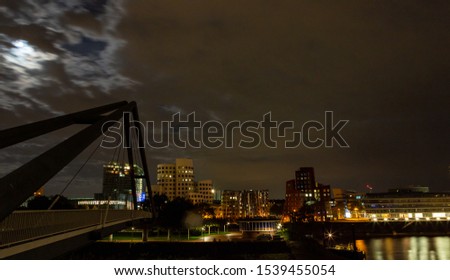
183,250
348,231
232,250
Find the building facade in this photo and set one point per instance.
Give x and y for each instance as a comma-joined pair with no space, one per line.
347,204
202,192
230,205
254,228
322,202
255,203
178,180
117,182
305,182
294,198
245,204
407,204
305,193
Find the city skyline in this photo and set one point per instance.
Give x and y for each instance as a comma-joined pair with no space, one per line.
382,66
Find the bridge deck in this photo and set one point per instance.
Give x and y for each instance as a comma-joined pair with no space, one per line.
23,227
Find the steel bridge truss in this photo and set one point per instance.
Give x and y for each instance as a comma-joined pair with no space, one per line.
21,183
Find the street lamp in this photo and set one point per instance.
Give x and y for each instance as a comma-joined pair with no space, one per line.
203,229
329,237
189,228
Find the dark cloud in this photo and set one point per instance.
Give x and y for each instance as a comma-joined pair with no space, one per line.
86,47
38,38
384,66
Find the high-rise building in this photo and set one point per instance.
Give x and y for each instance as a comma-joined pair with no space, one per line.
304,191
117,182
322,199
206,191
245,204
254,203
231,204
201,193
305,181
166,179
294,198
184,176
178,180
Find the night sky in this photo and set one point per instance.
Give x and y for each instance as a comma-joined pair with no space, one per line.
382,65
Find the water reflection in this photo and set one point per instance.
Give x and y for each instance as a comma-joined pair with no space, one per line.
406,248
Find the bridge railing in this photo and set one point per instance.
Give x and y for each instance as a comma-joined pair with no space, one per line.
23,226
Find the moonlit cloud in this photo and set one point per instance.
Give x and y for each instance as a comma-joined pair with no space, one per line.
22,71
75,50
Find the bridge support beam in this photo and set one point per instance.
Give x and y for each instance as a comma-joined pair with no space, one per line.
20,184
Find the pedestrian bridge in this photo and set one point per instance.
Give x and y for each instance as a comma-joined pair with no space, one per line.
47,234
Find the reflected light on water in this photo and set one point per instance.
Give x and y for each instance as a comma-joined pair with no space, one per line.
406,248
442,247
413,249
424,248
389,248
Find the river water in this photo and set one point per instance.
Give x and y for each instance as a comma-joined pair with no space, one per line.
406,248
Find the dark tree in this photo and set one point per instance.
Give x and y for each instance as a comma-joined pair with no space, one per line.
39,203
173,214
276,210
43,203
160,201
306,212
61,202
205,209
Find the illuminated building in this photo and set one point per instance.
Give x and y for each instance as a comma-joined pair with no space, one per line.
245,204
254,203
305,182
203,192
410,203
166,180
294,200
178,180
231,204
304,191
205,189
103,204
175,180
117,182
322,198
252,228
347,204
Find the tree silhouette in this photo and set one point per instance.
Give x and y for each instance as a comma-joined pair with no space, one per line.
205,209
173,214
39,203
276,210
61,203
43,203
